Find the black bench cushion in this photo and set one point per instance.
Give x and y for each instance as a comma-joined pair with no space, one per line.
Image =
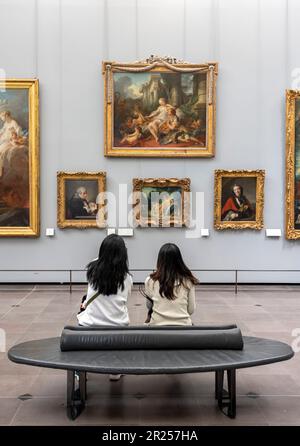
151,338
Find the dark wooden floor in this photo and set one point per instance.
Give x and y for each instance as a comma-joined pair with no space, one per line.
268,395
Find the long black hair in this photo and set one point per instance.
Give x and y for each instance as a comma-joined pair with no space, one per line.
171,271
107,273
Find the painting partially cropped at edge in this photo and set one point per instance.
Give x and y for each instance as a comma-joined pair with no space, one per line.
19,158
292,169
297,165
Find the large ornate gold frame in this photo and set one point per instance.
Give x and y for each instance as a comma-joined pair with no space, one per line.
33,230
159,64
290,231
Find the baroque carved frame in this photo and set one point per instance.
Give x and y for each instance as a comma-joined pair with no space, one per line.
290,232
62,222
183,183
162,64
33,229
258,222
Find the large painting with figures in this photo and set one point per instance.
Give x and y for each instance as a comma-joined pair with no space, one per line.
19,158
160,107
292,201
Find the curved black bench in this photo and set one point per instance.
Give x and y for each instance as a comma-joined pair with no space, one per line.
138,350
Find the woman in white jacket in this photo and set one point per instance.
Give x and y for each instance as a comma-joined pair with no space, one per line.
171,289
109,286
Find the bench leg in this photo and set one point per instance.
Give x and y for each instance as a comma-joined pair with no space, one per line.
85,387
231,379
226,399
219,384
76,393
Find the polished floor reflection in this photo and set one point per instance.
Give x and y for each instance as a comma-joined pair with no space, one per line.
267,395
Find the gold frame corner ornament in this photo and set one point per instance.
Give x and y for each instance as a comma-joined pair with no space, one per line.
166,64
291,232
258,223
185,186
62,222
33,229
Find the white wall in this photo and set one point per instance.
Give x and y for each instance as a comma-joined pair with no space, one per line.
256,43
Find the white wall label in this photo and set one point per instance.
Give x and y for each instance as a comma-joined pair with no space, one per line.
273,232
204,232
125,232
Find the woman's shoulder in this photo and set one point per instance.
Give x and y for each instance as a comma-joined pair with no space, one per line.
149,281
129,279
90,290
187,283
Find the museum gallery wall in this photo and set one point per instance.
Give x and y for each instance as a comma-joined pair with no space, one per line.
158,107
159,125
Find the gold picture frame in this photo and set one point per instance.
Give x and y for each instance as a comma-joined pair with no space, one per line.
143,189
292,232
19,105
158,66
231,212
90,214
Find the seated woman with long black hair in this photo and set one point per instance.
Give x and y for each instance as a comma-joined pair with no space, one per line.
109,286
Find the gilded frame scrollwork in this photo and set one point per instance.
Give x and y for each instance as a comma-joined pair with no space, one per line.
258,223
